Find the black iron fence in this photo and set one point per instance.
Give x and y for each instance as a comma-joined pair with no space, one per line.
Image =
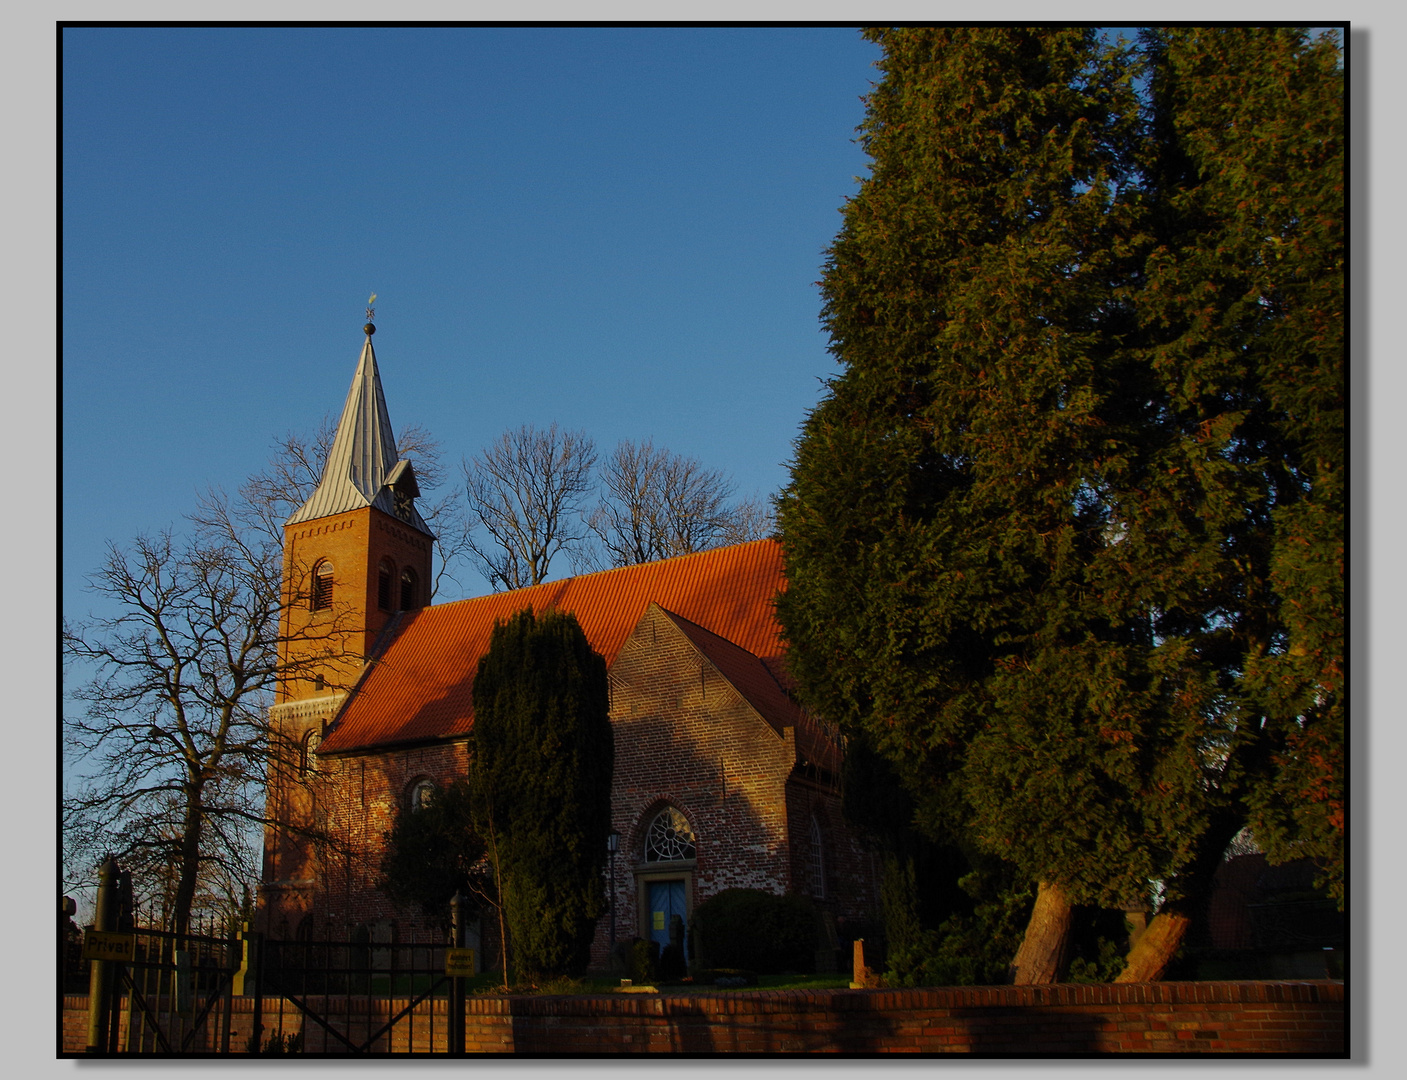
157,992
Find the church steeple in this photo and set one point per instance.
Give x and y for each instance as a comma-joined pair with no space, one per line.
357,552
362,468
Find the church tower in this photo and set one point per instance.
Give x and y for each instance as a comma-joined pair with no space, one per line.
356,554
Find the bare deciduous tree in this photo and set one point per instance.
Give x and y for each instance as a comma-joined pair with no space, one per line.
172,748
525,494
751,519
656,504
172,745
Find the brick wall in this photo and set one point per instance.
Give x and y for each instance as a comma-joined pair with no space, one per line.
356,798
335,641
1160,1018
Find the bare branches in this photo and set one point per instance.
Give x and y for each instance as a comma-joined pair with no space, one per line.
173,735
171,743
525,495
528,495
656,504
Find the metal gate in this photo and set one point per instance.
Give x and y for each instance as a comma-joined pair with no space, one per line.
358,997
178,989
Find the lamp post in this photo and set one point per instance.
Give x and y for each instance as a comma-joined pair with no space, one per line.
612,846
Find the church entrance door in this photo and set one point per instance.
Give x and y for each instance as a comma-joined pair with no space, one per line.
666,901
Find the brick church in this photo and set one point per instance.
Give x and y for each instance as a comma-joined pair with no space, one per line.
720,779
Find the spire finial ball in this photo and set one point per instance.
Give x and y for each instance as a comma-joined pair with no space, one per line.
370,329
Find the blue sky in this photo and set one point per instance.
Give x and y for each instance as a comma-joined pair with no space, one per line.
616,229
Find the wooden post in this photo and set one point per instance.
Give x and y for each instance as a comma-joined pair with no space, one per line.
100,981
246,979
858,973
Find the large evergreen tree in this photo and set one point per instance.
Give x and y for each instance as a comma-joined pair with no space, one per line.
1243,303
541,760
1030,529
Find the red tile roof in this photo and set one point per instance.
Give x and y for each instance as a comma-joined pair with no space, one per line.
420,688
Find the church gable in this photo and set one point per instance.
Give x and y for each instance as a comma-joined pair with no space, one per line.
669,666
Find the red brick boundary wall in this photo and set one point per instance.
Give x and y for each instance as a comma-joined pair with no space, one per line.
1160,1018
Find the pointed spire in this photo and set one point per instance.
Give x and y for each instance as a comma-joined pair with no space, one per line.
362,468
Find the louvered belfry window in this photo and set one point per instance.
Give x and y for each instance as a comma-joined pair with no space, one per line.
322,585
384,578
409,589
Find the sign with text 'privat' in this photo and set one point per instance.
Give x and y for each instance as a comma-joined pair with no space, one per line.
109,945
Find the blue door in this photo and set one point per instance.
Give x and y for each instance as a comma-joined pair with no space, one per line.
666,901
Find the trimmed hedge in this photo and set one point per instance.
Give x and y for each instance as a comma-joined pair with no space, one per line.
756,930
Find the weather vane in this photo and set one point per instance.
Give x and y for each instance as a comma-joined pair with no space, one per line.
370,314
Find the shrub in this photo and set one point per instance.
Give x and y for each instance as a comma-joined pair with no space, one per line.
725,977
758,930
644,960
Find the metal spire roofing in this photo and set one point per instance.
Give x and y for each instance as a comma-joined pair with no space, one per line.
363,455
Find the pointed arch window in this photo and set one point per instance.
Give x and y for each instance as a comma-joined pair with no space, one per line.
308,752
410,589
818,860
669,837
322,585
385,577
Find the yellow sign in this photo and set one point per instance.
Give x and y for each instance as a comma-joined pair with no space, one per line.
109,945
659,920
459,962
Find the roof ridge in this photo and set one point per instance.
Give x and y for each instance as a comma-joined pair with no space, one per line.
564,582
420,687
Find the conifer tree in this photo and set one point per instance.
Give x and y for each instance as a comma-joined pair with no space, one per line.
1027,529
1248,177
541,760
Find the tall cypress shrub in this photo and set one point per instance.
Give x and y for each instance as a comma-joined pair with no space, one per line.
542,755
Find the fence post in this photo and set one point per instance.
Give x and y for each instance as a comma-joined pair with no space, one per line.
100,981
246,979
232,949
254,951
456,993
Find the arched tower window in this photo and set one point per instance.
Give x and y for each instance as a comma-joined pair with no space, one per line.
385,578
308,752
422,793
410,589
669,837
322,585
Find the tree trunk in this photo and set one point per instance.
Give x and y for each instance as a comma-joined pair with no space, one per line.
188,873
1149,959
1041,958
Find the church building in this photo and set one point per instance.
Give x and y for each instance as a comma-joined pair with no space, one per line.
721,780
